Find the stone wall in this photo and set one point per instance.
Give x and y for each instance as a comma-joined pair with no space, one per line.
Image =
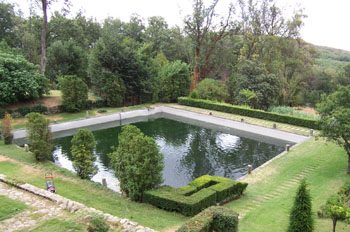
76,207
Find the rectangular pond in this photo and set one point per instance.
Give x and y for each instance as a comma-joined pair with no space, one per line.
191,148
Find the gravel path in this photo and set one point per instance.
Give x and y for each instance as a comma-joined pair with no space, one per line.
39,209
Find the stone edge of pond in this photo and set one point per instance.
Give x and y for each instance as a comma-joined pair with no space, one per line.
76,207
269,161
220,121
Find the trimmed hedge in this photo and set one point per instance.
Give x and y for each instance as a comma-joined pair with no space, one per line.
199,194
220,219
233,109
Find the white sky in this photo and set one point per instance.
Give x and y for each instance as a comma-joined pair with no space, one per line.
327,23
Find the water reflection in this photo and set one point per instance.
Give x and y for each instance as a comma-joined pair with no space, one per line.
189,151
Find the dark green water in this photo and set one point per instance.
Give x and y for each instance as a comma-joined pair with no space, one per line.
189,151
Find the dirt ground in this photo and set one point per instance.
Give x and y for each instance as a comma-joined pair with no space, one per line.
54,99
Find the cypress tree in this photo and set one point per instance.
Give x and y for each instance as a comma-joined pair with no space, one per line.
301,215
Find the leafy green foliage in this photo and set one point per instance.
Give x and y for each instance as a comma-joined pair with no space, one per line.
120,56
114,89
244,111
137,162
337,206
174,81
98,224
194,94
6,129
83,144
301,215
334,123
263,88
19,79
39,136
214,218
195,196
213,90
66,58
74,93
24,110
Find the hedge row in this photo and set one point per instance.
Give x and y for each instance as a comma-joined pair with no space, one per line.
199,194
233,109
214,218
23,111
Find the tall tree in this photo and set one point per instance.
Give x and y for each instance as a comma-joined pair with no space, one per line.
334,122
205,32
45,4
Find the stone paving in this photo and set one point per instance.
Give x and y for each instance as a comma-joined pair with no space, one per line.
49,205
39,209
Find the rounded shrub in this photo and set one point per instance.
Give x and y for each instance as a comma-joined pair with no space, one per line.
83,144
194,94
213,90
137,162
39,136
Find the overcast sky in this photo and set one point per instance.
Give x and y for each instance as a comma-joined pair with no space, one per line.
327,23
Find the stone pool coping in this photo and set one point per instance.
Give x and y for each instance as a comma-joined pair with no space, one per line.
210,119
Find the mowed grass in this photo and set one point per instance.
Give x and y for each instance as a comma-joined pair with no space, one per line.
271,191
87,192
57,226
269,196
9,207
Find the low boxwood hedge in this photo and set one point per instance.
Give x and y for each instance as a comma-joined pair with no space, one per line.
199,194
215,218
233,109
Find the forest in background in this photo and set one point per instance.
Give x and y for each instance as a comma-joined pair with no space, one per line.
254,54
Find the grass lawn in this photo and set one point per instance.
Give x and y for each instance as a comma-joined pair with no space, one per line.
9,207
271,191
266,203
58,226
86,192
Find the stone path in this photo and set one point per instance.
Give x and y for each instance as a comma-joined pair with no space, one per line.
289,185
39,209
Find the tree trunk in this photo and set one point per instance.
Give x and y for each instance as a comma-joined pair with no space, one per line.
348,169
334,224
196,68
43,38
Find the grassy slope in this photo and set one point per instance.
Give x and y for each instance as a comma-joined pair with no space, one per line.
9,207
86,192
327,163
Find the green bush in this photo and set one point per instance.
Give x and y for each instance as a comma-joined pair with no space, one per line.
213,90
24,110
194,94
39,136
83,144
220,219
98,224
174,81
137,162
199,194
301,215
20,80
244,111
74,93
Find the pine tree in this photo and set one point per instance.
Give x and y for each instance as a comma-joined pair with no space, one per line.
301,215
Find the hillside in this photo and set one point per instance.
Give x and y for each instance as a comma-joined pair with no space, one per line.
331,57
